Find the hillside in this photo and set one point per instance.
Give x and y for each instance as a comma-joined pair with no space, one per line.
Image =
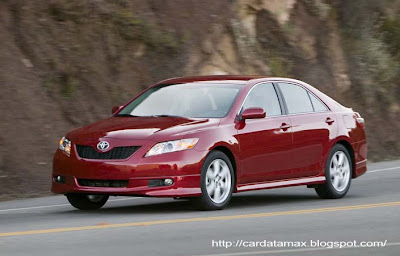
65,63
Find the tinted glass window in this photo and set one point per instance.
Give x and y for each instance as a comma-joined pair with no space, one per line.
198,100
264,96
318,105
296,98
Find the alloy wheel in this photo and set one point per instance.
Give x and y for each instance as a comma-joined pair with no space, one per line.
218,181
339,171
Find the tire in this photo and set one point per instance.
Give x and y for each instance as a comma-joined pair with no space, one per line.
87,202
338,174
217,175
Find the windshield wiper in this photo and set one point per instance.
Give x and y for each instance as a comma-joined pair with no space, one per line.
168,116
129,115
125,115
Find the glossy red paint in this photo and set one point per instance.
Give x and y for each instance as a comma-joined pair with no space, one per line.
115,109
253,113
269,152
265,148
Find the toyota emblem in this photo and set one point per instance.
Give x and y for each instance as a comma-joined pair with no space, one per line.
103,145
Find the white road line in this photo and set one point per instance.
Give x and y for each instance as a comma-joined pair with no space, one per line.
386,169
293,250
33,207
58,205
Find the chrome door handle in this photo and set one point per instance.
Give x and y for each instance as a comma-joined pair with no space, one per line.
285,126
329,121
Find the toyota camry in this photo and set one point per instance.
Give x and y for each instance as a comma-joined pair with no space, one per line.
205,138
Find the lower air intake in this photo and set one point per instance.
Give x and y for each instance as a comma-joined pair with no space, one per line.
103,183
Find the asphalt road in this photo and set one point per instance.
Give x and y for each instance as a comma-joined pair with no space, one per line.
152,226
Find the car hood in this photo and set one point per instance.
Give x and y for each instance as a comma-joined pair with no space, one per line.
142,128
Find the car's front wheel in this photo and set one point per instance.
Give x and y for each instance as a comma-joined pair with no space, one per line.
217,182
338,172
87,202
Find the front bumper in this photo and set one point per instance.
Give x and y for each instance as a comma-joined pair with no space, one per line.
184,167
188,185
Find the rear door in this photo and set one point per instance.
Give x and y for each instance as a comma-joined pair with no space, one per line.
264,143
313,126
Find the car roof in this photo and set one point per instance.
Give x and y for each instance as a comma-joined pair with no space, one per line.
211,78
249,80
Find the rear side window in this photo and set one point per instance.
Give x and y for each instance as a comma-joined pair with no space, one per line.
264,96
296,98
317,104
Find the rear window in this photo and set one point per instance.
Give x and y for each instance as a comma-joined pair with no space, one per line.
317,104
296,98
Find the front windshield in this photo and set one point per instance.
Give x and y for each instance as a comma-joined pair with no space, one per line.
195,100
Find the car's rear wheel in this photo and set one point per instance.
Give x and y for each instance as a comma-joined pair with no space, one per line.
338,173
87,202
217,182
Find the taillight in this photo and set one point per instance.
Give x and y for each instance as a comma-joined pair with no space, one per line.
359,119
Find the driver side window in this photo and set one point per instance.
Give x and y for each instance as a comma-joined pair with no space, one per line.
264,96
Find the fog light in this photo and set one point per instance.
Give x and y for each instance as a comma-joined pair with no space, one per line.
160,182
168,182
59,179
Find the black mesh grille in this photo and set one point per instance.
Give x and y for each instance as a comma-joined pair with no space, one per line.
89,152
103,183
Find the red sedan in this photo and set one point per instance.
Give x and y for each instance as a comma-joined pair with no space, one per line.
205,138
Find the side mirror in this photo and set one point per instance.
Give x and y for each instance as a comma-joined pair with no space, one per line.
115,109
253,113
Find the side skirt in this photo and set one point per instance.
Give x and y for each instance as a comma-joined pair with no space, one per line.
281,183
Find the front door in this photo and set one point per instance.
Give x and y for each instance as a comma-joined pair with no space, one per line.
265,144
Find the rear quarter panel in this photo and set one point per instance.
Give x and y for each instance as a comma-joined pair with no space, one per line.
348,130
354,133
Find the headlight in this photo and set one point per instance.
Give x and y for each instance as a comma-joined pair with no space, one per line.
65,145
172,146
